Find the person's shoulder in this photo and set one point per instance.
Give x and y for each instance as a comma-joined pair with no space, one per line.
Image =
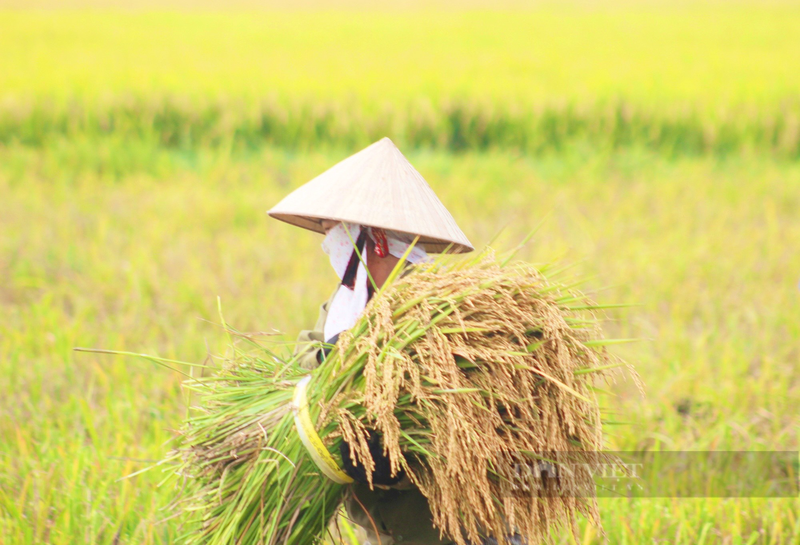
326,305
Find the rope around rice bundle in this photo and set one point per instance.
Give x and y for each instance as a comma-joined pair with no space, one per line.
461,367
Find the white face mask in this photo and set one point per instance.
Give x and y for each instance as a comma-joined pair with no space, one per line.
348,304
339,245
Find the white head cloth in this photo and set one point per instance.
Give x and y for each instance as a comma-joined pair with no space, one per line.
348,304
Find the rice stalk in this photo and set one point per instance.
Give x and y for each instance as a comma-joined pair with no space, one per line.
464,367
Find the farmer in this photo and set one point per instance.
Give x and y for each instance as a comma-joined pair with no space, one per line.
371,206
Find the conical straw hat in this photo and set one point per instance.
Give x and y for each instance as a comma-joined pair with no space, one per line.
376,187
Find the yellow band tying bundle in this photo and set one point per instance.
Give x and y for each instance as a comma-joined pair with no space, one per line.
308,435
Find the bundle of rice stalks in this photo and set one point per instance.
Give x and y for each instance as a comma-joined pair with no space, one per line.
461,367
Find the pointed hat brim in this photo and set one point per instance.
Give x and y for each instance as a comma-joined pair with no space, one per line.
376,187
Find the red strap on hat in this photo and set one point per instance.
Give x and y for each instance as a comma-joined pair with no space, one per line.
381,244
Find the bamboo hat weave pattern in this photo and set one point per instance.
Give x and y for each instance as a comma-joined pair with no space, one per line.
376,187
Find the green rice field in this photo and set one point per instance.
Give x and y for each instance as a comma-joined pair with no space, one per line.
687,79
140,147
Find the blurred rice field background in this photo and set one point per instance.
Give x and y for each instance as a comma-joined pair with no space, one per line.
685,79
141,143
